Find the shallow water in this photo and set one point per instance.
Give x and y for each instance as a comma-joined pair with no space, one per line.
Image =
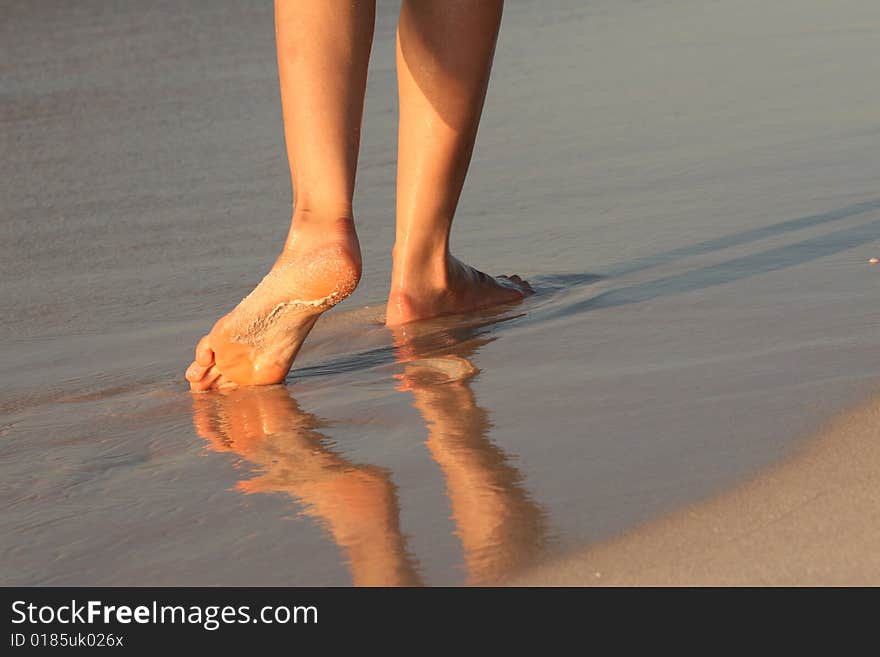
691,188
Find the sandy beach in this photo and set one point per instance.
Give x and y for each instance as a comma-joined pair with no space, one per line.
813,521
691,188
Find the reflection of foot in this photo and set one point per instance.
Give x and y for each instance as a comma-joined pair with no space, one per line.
435,371
257,342
356,504
251,421
454,288
501,529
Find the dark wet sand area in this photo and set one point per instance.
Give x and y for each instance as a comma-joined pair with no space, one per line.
691,188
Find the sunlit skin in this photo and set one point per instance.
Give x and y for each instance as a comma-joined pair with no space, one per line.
501,529
357,504
444,57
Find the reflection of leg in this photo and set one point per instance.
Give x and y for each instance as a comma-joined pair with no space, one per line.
500,527
444,56
356,504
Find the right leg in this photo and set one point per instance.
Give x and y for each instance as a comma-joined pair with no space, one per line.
323,52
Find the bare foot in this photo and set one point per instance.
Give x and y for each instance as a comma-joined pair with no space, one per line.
458,288
257,342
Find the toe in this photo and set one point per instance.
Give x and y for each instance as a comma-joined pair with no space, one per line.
514,283
522,284
207,381
195,372
222,383
204,353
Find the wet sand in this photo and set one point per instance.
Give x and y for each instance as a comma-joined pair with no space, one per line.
813,521
691,188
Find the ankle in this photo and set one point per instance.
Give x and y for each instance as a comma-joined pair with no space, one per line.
333,219
418,268
310,229
321,206
400,308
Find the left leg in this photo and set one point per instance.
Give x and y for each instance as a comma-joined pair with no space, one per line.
444,57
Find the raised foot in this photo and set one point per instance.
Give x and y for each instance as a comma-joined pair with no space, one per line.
257,342
463,289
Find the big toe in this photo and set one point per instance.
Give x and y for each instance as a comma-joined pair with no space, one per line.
195,372
203,362
213,379
204,353
207,381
